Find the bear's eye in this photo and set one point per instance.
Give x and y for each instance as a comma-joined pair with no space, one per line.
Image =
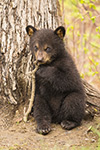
35,48
48,49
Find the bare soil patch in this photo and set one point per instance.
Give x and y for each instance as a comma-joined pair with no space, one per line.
23,136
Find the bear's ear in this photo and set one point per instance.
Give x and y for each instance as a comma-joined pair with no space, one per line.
30,30
60,31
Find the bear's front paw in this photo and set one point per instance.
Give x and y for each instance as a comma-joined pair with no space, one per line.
41,72
45,129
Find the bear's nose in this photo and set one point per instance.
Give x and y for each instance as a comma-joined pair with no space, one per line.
39,57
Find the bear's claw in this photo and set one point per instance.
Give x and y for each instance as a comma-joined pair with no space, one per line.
44,130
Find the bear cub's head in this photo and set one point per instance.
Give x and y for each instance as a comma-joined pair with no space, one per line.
46,45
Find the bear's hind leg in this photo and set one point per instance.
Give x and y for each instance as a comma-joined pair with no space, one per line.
72,110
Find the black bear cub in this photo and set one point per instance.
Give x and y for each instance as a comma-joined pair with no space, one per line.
59,95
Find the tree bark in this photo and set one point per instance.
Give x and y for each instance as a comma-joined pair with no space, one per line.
15,58
92,101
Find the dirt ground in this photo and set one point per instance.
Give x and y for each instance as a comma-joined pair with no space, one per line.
23,136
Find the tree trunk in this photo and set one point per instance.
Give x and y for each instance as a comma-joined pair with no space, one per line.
15,57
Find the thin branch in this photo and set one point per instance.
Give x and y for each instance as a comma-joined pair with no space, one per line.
26,113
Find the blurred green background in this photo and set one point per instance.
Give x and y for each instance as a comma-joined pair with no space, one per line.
82,21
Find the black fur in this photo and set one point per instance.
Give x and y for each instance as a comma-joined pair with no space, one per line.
59,95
